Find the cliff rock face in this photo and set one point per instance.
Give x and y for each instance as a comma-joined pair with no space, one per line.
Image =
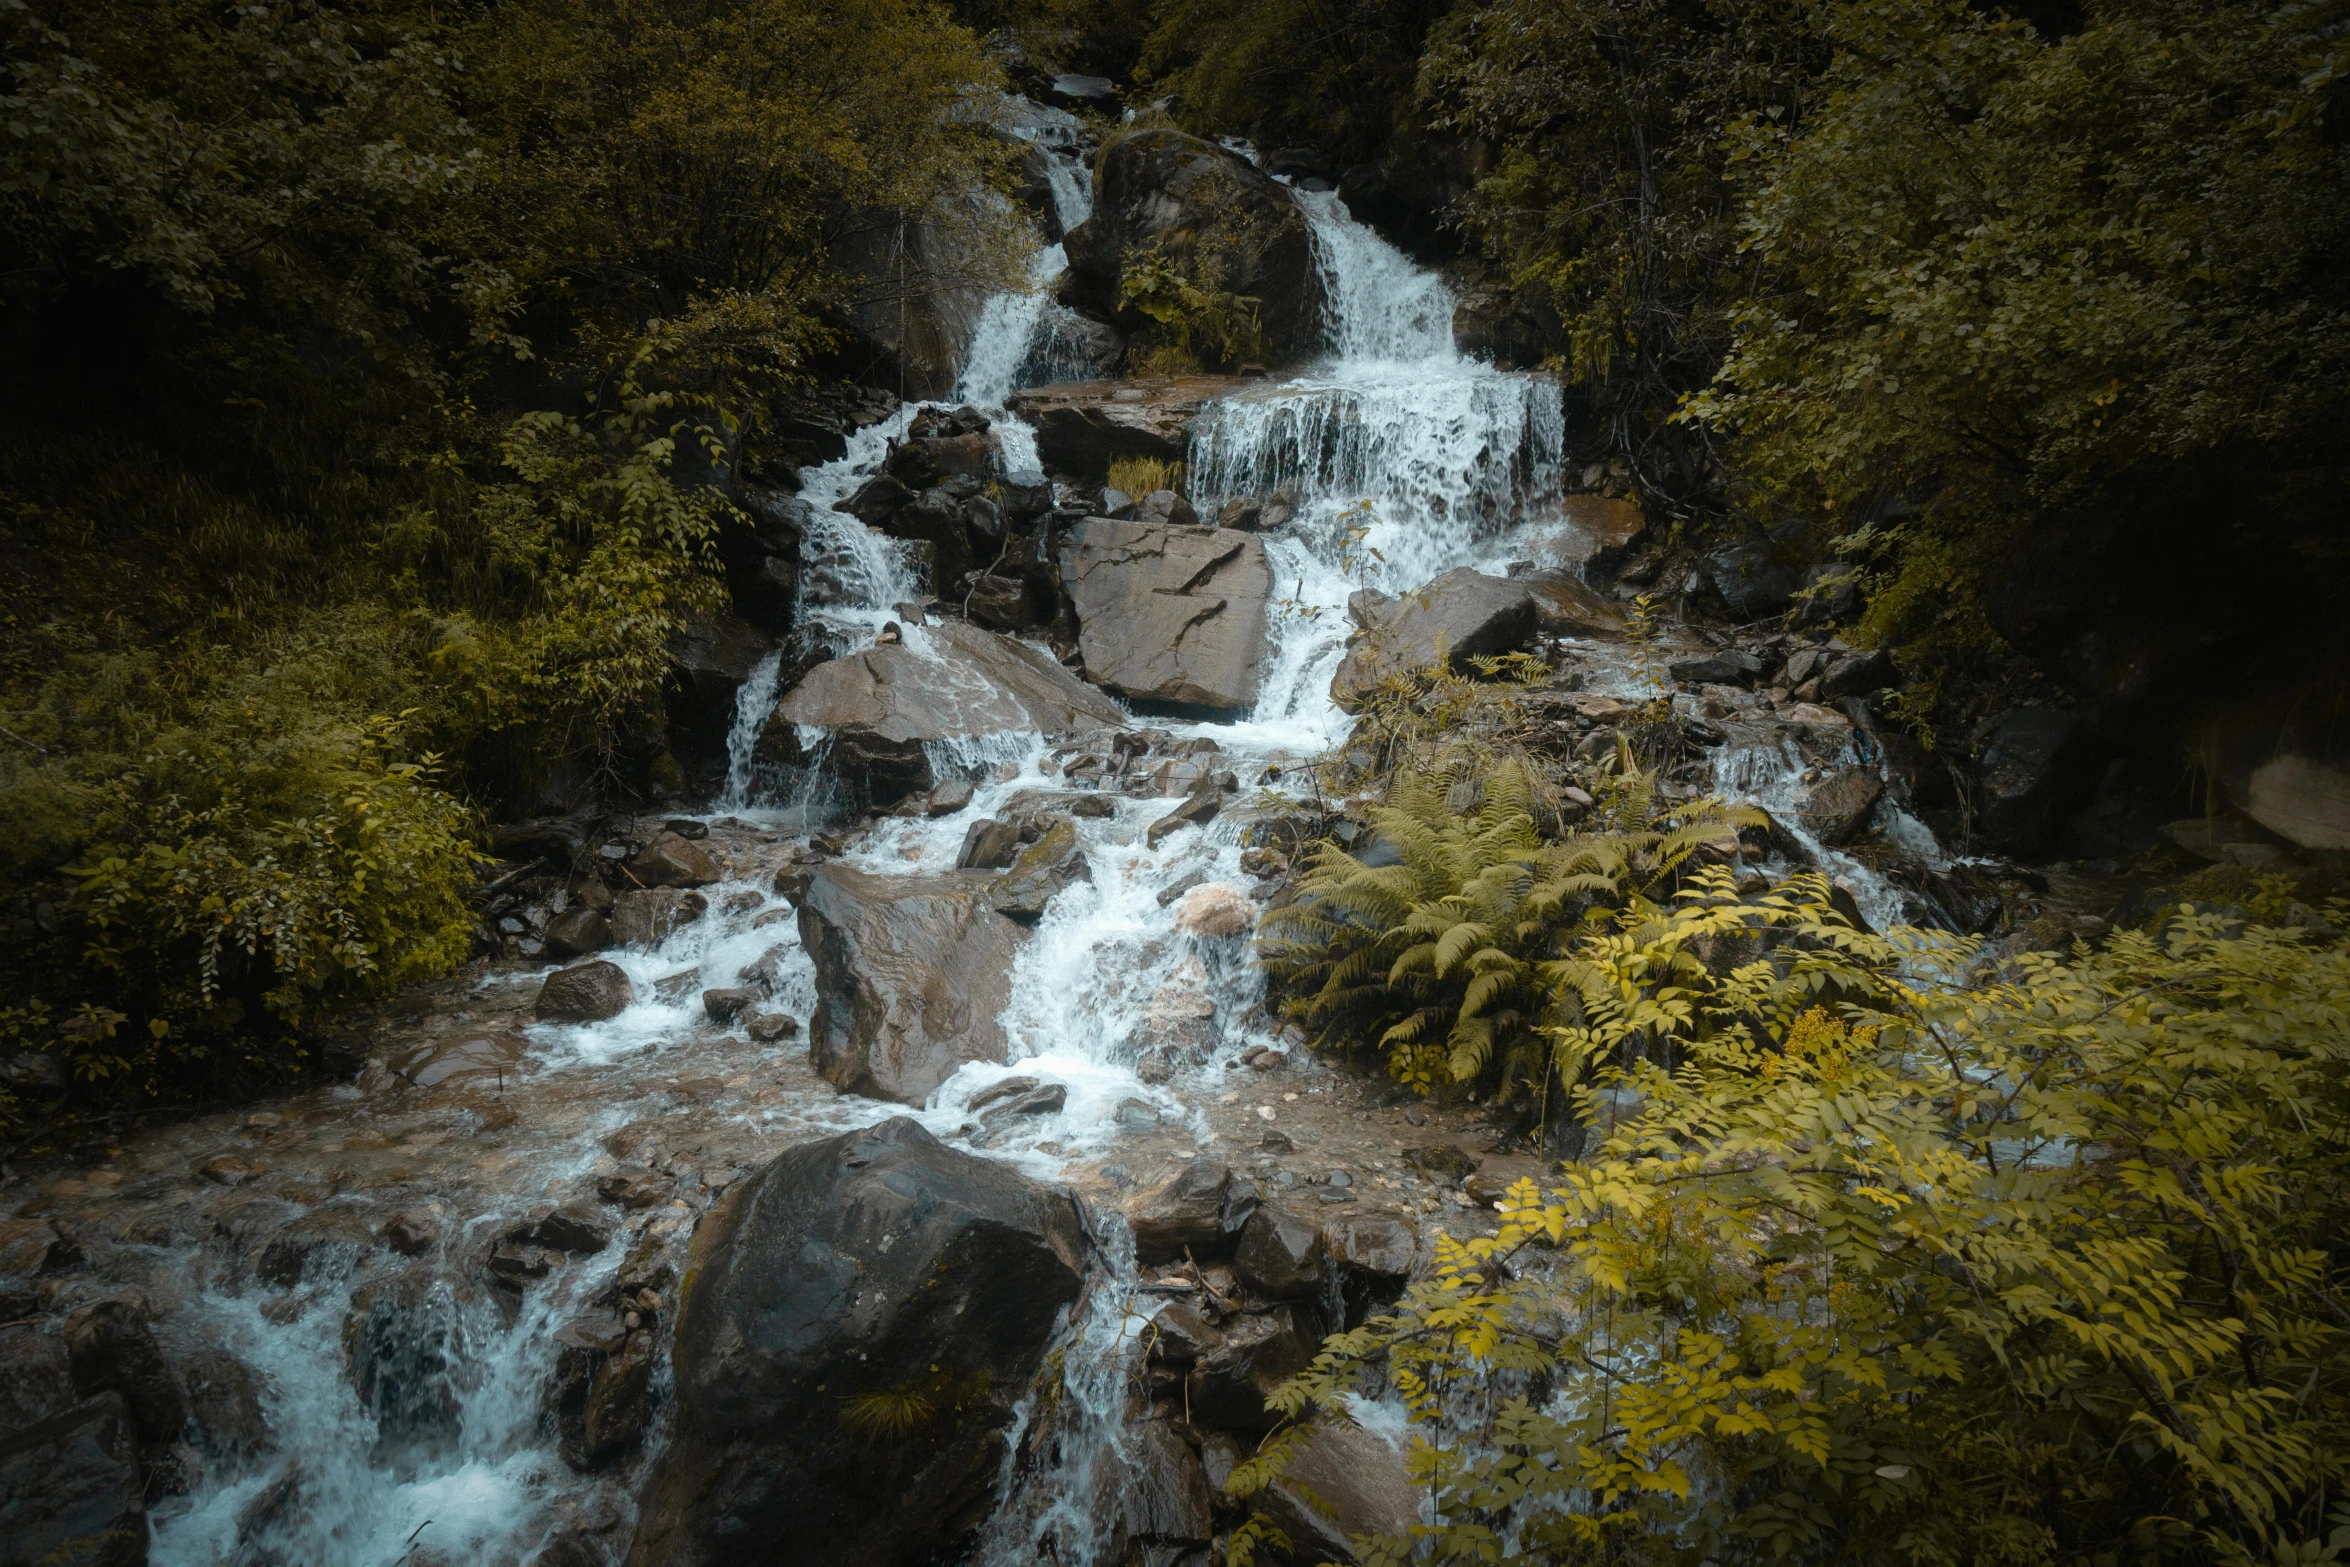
1209,211
858,1322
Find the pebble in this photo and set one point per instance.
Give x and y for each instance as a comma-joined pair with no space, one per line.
1265,1112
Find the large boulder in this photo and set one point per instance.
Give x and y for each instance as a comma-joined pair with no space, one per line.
911,975
2034,767
1835,808
859,1322
1343,1482
2301,800
1084,426
885,707
585,993
1169,614
1463,614
1755,578
1216,217
70,1487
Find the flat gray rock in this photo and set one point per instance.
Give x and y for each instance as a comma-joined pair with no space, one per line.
1167,613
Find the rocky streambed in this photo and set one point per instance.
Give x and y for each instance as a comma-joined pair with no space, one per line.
896,1161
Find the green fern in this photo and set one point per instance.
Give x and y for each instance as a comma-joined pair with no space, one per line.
1438,958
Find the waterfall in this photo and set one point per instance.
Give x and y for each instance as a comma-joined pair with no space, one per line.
1404,459
752,704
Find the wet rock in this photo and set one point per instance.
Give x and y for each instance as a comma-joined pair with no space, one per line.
1280,1256
31,1248
1857,674
1444,1161
1179,1335
1731,668
224,1405
1836,807
2035,768
1181,885
231,1169
1184,1215
578,931
2300,800
866,1311
672,861
412,1232
449,1061
70,1487
1373,1255
396,1340
1254,1354
912,974
603,1395
768,1027
1343,1482
997,1092
989,845
1206,210
1047,1099
713,654
1169,614
576,1228
1215,911
585,993
517,1265
1084,426
1197,811
1154,1493
949,797
1755,579
324,1243
113,1350
724,1005
1136,1115
645,919
884,705
1565,607
1166,508
635,1187
1044,868
1465,613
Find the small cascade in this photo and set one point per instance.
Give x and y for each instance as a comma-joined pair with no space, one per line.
752,704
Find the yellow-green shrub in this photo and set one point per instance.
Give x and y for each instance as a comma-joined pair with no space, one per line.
1443,957
2039,1269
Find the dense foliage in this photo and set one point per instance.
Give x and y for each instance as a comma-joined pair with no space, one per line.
1883,1261
2058,304
376,380
1437,943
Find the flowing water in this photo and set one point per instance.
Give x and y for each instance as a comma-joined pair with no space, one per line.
1405,459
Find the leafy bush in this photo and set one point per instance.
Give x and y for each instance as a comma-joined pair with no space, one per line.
1195,316
1891,1266
236,884
2028,303
1442,950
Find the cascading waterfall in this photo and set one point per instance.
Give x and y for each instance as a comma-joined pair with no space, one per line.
1459,464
